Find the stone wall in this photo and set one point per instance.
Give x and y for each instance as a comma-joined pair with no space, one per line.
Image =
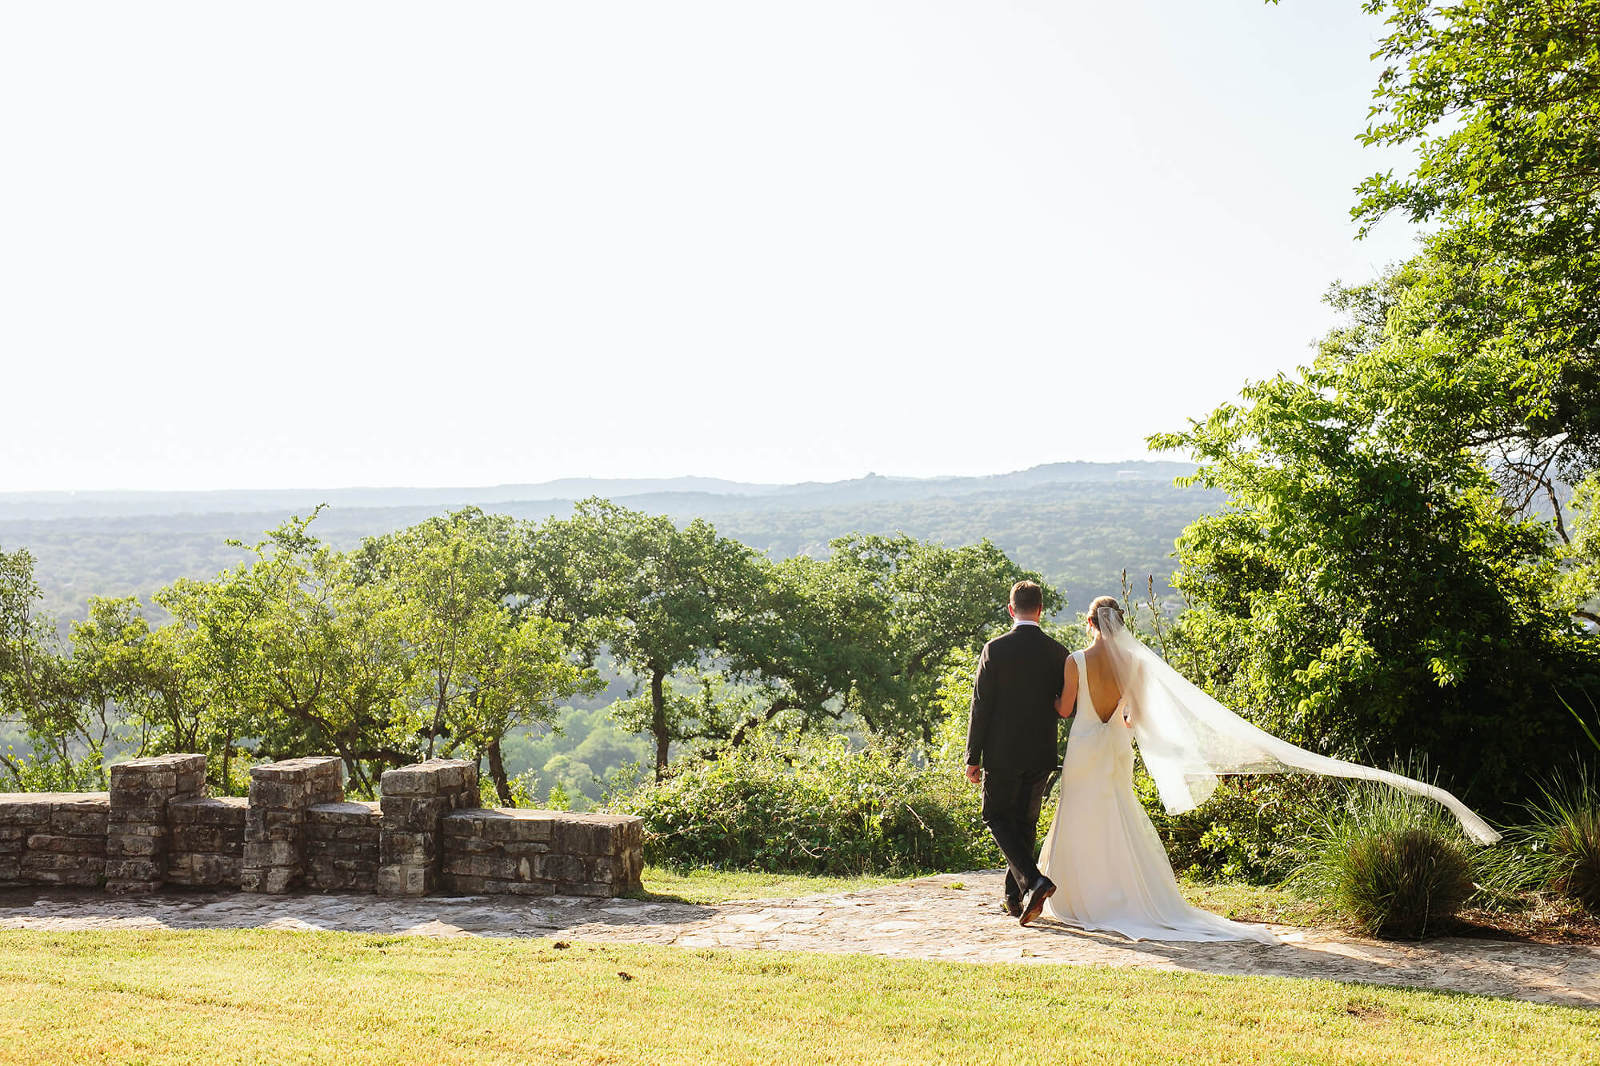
137,833
281,794
342,845
541,853
415,800
156,827
53,838
207,848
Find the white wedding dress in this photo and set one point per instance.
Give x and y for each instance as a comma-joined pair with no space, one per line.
1109,866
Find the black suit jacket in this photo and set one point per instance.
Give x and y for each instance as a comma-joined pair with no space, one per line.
1012,729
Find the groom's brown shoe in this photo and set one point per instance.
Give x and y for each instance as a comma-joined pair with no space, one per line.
1012,906
1043,889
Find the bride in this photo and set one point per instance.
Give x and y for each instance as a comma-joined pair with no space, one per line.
1108,864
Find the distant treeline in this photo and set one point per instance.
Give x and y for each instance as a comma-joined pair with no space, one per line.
450,635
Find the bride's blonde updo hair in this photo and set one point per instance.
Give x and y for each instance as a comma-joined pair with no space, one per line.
1108,602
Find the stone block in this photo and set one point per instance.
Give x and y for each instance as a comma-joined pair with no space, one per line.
488,866
592,834
267,879
419,814
148,801
79,845
115,828
126,777
408,781
432,777
133,847
132,870
344,814
521,888
395,880
520,850
463,885
265,853
79,819
192,838
15,810
357,834
216,869
209,810
503,824
563,868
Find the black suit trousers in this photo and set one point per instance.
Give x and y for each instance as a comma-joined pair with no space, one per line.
1011,805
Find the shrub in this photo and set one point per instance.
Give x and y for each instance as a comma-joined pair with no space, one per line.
1394,865
1563,838
817,806
1247,830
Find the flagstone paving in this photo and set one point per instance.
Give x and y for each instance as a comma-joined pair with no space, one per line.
952,917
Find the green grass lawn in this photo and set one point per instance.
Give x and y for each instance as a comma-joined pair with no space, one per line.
287,997
721,886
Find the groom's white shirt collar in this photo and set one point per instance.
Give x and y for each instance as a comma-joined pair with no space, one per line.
1015,622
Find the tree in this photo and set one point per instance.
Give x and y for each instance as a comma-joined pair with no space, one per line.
1366,591
664,600
478,669
928,602
34,689
1500,101
106,672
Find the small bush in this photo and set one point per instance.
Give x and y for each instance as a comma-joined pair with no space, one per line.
1563,838
819,807
1392,864
1248,830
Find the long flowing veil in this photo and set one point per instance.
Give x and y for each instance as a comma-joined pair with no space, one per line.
1187,738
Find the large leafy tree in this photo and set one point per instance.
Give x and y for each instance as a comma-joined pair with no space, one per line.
917,603
287,650
479,668
1500,102
1385,577
663,600
1366,590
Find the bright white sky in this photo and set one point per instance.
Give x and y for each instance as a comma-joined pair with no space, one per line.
323,244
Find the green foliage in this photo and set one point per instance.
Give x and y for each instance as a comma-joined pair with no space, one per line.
1392,864
1500,102
1248,830
54,773
1580,554
662,599
813,806
1366,590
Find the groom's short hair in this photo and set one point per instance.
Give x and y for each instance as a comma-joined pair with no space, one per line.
1027,597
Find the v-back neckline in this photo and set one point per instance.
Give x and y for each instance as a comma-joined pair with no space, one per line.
1084,696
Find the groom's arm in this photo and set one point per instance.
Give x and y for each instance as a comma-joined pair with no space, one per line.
978,720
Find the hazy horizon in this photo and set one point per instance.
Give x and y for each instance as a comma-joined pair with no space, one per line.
574,478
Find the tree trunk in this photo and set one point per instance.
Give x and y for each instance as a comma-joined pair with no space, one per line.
658,721
497,771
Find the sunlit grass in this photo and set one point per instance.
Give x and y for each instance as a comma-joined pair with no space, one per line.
723,886
242,996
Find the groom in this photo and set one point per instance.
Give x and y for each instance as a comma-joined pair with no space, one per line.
1011,743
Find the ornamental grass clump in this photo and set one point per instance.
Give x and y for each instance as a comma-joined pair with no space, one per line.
1563,838
1393,865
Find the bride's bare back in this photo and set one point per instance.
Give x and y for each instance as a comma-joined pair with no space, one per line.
1103,689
